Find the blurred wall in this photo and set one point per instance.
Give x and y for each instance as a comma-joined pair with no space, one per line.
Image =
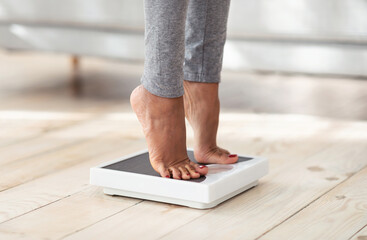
313,36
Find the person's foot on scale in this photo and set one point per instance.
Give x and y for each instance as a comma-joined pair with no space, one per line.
163,123
201,102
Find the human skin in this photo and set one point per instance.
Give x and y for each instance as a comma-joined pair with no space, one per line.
163,123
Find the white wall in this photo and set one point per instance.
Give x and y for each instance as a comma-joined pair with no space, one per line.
311,36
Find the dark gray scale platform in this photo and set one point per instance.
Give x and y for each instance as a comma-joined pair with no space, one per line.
133,176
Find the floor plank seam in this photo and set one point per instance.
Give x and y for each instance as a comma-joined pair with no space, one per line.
208,211
51,150
76,192
47,151
307,205
81,229
357,232
39,135
40,154
94,116
63,169
318,152
36,209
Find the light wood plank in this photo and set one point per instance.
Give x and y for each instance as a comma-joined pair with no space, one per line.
65,137
54,186
22,124
284,192
280,138
338,214
281,194
262,125
15,131
90,210
18,195
25,124
134,129
28,194
144,221
48,141
361,235
80,209
89,145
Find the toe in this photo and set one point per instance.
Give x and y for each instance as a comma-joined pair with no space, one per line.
176,174
219,156
185,173
192,171
162,170
224,158
166,174
232,158
201,169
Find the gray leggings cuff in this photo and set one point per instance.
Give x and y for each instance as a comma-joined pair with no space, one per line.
151,84
197,77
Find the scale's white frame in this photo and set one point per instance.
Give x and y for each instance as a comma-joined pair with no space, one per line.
206,194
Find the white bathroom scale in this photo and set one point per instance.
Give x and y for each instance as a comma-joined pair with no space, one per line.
133,176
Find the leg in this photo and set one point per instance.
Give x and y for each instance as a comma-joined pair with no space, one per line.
158,102
206,28
164,47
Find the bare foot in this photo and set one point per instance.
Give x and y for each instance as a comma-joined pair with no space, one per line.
163,122
202,105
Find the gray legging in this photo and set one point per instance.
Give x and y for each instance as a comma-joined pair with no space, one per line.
184,40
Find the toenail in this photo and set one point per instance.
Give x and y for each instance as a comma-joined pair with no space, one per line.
232,155
202,166
188,174
167,176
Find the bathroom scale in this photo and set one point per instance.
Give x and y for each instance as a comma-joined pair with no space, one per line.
133,176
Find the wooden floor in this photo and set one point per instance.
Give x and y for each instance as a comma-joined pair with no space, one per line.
312,129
